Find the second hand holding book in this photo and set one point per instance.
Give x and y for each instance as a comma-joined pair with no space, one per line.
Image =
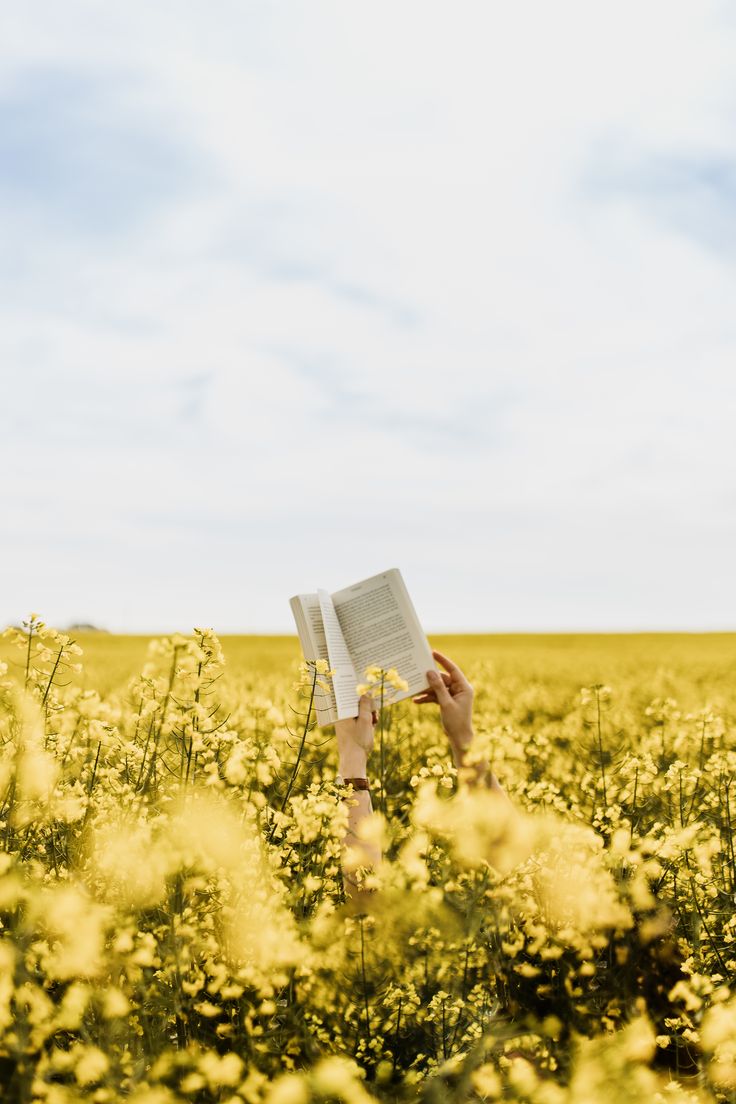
370,624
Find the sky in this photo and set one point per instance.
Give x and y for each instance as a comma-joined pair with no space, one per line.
294,293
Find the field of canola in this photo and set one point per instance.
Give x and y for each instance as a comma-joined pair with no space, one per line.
173,920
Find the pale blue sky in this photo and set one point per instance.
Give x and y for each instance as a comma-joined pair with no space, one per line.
290,294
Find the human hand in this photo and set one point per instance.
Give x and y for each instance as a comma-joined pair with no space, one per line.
453,693
355,739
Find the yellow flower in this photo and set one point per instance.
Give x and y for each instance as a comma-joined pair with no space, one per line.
290,1088
91,1065
383,681
486,1082
394,679
222,1070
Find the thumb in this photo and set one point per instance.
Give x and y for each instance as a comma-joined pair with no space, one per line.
437,684
365,707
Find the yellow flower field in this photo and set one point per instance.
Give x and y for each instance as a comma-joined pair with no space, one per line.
174,924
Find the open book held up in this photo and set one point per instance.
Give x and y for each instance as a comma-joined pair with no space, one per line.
370,624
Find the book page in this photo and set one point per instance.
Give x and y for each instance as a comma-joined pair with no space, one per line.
309,624
343,678
381,629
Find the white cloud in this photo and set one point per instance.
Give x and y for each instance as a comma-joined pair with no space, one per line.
403,293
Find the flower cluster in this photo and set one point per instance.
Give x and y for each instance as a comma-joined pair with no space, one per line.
381,683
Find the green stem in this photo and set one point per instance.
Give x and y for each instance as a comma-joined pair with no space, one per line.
28,654
52,675
600,745
157,737
195,728
365,983
396,1033
300,752
730,834
702,744
381,726
706,929
145,753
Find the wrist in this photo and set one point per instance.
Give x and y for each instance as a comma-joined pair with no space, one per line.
460,743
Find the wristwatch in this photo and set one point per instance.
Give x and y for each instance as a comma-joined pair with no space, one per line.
356,783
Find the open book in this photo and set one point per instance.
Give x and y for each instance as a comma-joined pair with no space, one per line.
370,624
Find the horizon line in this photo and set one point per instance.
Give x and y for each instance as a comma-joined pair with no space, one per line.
629,631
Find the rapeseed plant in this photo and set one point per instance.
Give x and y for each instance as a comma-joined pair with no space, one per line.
174,926
381,685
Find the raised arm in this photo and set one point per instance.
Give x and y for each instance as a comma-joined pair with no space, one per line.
453,693
354,744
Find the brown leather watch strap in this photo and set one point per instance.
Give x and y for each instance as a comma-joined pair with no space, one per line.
357,783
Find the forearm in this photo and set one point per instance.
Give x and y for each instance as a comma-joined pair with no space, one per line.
475,771
356,852
360,808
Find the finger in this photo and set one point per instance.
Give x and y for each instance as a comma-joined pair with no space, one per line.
447,679
438,686
365,707
449,665
424,698
446,662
